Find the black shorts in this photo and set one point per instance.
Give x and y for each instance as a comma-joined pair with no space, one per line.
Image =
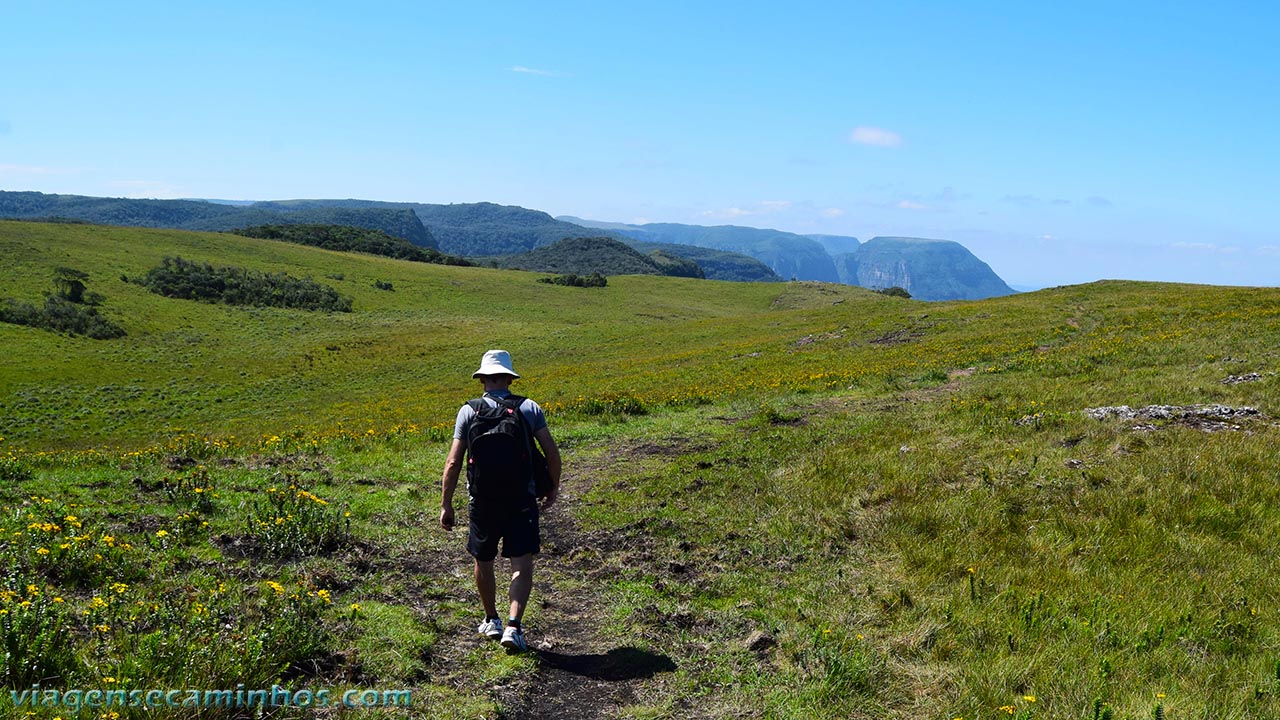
515,522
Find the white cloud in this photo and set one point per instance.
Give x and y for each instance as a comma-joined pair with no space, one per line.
732,212
1098,201
531,71
910,205
879,137
833,213
1269,250
764,207
1206,247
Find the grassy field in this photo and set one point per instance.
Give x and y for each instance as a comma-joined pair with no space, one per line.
782,500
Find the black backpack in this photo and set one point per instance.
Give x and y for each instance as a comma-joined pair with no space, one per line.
501,455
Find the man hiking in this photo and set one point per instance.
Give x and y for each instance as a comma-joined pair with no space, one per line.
496,433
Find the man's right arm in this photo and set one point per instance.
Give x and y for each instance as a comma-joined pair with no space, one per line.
449,483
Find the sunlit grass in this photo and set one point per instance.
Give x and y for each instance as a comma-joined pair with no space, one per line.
906,498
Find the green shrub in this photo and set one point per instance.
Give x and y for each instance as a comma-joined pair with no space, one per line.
573,280
35,632
60,315
178,278
13,471
216,637
895,291
293,522
65,547
351,239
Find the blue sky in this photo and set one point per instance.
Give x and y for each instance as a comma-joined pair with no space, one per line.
1061,142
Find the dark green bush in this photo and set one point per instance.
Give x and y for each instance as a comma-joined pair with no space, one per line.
59,315
895,291
351,239
65,309
178,278
574,280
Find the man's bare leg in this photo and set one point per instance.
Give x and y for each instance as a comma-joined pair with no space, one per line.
521,585
487,586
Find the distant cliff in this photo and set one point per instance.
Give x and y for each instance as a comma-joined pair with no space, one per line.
928,269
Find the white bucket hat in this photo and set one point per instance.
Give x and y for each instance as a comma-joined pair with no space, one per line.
495,362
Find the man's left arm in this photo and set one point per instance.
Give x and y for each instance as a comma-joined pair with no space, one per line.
552,453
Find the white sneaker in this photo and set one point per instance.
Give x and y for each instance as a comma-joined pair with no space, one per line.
491,629
513,640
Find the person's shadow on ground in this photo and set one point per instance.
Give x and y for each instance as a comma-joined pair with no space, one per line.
618,665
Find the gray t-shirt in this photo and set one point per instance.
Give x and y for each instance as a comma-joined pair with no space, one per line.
533,415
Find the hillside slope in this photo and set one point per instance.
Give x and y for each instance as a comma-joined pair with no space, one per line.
715,264
268,369
605,256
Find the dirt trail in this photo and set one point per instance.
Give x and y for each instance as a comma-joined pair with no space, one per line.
583,672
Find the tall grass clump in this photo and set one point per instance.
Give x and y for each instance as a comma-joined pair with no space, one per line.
35,629
291,522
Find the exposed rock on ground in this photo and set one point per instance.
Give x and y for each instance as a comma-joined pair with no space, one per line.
1246,378
1210,418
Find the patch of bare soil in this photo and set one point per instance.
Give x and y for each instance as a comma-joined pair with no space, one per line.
582,672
